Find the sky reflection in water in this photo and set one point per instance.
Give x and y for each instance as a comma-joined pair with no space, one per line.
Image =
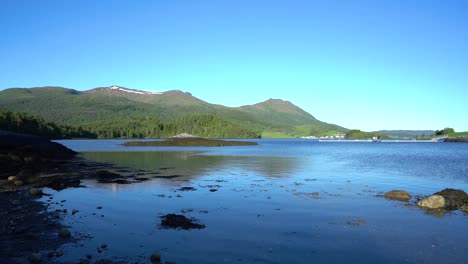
280,202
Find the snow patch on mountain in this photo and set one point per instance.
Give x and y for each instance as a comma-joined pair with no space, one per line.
118,88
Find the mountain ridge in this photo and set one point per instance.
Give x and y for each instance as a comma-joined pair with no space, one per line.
69,106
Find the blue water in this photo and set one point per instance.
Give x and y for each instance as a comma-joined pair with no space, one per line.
283,201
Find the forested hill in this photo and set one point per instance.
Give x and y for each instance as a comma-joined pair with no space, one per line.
116,104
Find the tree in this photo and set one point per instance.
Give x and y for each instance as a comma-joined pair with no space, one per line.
444,131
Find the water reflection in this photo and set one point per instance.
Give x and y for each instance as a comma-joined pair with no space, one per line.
194,164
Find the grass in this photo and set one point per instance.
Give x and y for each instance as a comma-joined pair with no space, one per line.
459,134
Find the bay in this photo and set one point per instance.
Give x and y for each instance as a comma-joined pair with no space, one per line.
283,201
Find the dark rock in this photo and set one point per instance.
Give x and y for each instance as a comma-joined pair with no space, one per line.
103,175
27,174
398,195
103,246
454,199
179,222
155,258
35,258
168,176
185,189
59,182
121,181
35,192
64,233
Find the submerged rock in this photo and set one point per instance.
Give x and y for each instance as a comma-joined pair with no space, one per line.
64,233
155,258
454,199
432,202
191,142
35,258
185,189
179,222
104,175
398,195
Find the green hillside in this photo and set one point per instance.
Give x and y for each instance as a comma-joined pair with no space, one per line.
459,134
405,133
70,107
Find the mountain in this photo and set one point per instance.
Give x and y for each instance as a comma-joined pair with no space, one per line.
71,107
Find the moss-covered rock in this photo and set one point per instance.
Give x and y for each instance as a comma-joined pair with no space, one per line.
454,198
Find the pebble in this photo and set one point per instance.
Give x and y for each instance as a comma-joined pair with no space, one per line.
12,178
18,183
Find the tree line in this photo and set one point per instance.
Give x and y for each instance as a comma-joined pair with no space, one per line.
21,122
202,125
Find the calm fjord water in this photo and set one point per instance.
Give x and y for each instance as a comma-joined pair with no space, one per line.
283,201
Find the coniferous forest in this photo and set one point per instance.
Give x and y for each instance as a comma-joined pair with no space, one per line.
202,125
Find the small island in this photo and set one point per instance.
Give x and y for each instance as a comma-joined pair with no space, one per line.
189,142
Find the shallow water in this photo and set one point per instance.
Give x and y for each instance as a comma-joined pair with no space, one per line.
284,201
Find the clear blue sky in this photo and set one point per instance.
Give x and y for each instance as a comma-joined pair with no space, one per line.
377,64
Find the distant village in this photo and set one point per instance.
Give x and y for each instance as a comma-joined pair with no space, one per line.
335,136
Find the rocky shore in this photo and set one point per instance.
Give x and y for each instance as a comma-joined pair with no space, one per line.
29,231
456,139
